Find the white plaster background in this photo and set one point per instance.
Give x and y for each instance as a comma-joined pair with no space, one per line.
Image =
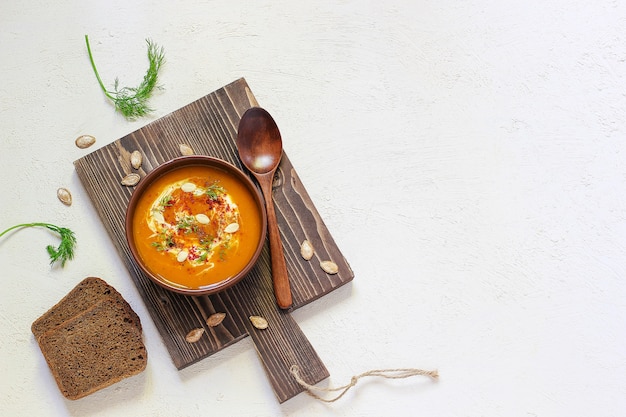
467,156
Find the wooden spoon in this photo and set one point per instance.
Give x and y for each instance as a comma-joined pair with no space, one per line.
260,148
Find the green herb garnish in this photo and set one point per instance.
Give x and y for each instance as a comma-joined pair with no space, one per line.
187,224
206,244
164,202
64,252
213,191
133,102
166,241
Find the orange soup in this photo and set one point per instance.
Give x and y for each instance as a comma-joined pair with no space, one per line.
196,226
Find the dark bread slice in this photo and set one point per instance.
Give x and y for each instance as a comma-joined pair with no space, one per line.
87,293
95,349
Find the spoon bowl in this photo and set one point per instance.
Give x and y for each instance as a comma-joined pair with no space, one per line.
259,142
260,149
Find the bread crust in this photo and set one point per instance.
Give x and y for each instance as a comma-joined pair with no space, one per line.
87,293
90,339
94,349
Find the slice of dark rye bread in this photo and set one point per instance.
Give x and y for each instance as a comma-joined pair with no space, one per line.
87,293
94,349
78,368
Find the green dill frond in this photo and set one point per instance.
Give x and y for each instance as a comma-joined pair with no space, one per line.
165,201
133,102
214,190
187,224
64,252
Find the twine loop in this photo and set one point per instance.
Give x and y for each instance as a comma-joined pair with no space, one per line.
398,373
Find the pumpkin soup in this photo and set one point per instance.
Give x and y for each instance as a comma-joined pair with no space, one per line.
196,226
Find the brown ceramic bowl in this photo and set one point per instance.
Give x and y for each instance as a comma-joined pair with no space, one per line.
158,259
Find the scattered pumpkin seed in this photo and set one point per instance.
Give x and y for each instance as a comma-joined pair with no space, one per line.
85,141
130,180
64,196
194,335
258,322
306,250
215,319
182,255
188,187
185,149
203,218
136,158
329,267
231,228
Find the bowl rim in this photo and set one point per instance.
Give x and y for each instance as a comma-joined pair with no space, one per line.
176,163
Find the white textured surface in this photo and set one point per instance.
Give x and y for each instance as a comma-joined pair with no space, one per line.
468,157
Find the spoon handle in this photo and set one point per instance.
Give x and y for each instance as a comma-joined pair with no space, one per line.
280,278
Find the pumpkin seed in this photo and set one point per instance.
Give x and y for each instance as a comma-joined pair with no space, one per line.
329,267
188,187
158,216
215,319
306,250
258,322
64,195
130,180
182,255
185,149
85,141
194,335
203,218
136,158
231,228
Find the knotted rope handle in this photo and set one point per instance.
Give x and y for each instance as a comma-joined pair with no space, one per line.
399,373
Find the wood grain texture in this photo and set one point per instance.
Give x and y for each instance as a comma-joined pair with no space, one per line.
209,126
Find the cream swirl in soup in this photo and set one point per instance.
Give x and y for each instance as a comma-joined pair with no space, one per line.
194,222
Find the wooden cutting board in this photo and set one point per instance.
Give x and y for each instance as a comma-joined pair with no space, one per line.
209,127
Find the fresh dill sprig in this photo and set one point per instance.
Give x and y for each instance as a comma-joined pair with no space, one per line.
187,224
64,252
166,241
165,201
133,102
214,190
